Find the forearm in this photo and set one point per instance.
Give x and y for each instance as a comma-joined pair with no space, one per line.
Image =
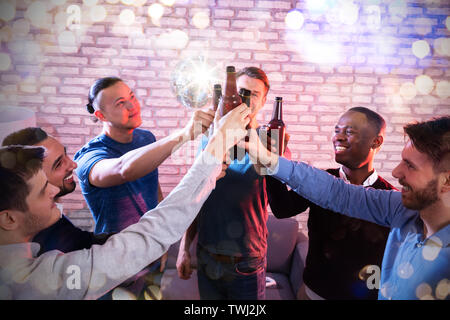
284,203
188,237
378,206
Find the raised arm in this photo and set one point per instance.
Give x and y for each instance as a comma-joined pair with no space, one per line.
139,162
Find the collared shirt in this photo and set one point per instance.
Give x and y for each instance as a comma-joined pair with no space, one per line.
414,267
367,183
90,273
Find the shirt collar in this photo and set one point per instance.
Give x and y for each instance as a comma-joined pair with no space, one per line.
367,183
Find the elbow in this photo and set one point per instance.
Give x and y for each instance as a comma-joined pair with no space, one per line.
127,173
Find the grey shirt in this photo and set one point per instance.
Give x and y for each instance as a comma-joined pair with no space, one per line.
90,273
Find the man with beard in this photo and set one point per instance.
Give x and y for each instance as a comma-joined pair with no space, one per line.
340,247
61,234
416,262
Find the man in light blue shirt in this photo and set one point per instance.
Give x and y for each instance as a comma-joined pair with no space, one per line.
416,262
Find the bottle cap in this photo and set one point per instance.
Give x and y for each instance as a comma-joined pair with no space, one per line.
217,86
231,69
278,98
244,92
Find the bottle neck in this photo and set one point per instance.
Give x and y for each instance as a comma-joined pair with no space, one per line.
230,85
277,111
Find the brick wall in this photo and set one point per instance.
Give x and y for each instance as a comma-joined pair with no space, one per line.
337,59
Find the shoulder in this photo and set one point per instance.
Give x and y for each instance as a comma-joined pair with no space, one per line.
334,172
144,134
383,184
97,144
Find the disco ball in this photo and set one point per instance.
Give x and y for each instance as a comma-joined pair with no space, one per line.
192,82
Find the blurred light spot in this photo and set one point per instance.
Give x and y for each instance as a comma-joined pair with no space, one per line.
443,89
127,17
122,294
408,90
424,84
201,20
176,39
38,15
167,2
405,270
21,27
90,3
7,11
424,292
97,13
139,3
294,20
432,248
387,290
67,42
127,2
374,17
443,289
420,48
316,7
156,11
447,23
348,13
112,1
58,2
5,61
6,34
442,46
398,10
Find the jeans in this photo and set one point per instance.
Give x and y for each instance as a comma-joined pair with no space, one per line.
241,280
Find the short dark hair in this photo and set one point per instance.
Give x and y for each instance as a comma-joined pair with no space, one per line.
432,137
27,137
256,73
95,89
18,164
374,118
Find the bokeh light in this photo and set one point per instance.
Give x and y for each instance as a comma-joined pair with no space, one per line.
5,61
447,23
7,11
122,294
424,84
424,291
67,42
112,1
420,48
442,46
156,11
167,2
21,28
443,89
201,20
6,34
348,13
405,270
37,14
58,2
316,8
97,13
408,90
127,17
90,3
294,20
443,289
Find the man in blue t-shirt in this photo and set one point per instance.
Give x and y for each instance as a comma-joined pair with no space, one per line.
117,169
231,226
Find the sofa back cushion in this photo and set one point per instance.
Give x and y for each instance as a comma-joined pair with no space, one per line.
281,243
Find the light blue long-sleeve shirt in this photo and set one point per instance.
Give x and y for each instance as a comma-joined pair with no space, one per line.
413,267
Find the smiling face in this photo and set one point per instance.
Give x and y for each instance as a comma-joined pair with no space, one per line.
420,184
58,166
258,96
118,107
355,140
42,211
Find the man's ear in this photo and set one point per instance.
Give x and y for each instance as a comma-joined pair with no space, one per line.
8,220
99,115
377,142
446,181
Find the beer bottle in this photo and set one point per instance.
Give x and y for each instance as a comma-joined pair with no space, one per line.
217,94
276,127
230,98
245,96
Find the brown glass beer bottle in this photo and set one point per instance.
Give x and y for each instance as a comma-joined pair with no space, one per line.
276,127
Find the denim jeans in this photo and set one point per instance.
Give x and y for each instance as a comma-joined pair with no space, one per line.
219,280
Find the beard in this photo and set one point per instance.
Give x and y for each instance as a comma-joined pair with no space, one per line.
420,199
66,189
